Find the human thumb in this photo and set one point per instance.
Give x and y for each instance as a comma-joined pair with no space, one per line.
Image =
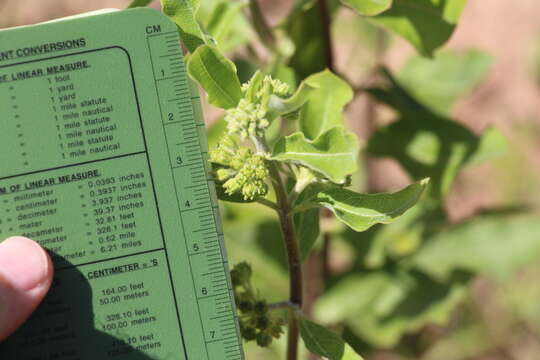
26,273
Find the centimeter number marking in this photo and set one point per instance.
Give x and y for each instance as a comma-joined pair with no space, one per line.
197,202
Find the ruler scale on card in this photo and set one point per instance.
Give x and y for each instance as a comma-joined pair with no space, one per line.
197,205
114,175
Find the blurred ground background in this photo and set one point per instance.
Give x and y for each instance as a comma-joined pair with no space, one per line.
508,98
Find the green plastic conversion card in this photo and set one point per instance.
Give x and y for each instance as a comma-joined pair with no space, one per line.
103,161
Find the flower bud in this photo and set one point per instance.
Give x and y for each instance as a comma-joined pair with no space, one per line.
245,306
241,274
262,322
249,333
276,329
261,307
263,339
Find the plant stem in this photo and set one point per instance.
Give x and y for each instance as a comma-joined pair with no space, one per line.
293,337
293,258
327,36
261,26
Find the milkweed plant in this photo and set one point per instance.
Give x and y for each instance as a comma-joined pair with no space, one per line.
284,144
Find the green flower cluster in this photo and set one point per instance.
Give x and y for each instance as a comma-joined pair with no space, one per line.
247,119
241,170
256,322
250,117
244,171
268,86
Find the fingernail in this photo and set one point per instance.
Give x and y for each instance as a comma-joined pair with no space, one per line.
23,263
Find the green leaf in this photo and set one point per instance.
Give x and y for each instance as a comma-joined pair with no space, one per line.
306,223
242,225
426,146
321,341
293,103
456,74
395,240
381,306
494,245
265,237
224,22
361,211
217,75
333,154
285,74
245,69
223,18
324,110
183,14
307,229
350,295
253,85
368,7
385,244
426,24
492,144
139,3
215,132
350,354
306,32
424,143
